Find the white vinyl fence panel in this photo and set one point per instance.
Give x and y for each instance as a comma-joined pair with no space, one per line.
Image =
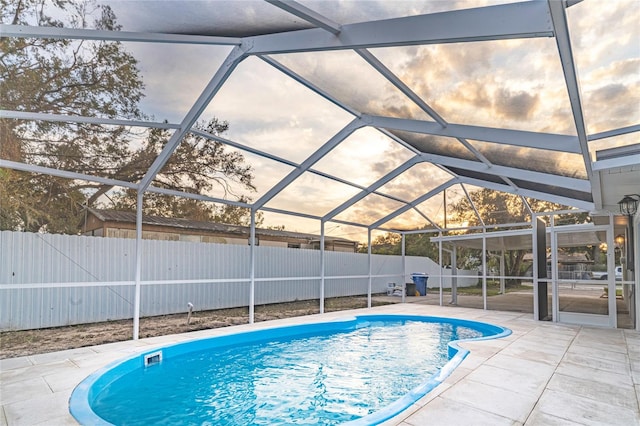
54,280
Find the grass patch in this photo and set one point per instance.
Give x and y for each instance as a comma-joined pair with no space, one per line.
618,291
493,289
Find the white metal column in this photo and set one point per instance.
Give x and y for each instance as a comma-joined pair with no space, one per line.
441,268
484,269
252,271
370,266
322,263
554,271
636,270
534,251
138,273
404,269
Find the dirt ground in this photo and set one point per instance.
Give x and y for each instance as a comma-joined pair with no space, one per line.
31,342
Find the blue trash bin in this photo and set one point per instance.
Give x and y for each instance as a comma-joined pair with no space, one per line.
420,279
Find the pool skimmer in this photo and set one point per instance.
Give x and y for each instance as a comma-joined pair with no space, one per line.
153,359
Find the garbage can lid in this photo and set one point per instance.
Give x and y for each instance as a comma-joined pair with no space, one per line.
420,274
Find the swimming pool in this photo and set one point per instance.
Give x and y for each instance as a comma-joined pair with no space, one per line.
359,371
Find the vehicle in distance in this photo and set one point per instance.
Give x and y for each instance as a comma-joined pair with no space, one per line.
605,275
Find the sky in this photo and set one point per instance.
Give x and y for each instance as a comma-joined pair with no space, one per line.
516,84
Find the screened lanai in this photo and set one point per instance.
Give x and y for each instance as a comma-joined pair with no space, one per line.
352,119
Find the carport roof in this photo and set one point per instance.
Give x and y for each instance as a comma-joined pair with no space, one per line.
492,129
521,239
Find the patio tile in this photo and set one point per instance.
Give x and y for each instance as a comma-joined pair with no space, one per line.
538,418
633,350
443,412
535,352
622,396
635,376
499,401
457,375
559,328
472,361
431,396
601,337
3,418
124,346
98,360
598,363
60,356
481,349
602,376
614,354
67,380
633,344
560,335
521,381
611,345
66,420
34,371
24,390
37,410
585,411
520,364
11,363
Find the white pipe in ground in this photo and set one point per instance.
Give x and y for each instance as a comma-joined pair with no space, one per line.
190,306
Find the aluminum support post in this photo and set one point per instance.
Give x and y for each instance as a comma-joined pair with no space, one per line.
252,273
138,273
502,273
404,269
440,249
484,270
370,266
454,278
322,263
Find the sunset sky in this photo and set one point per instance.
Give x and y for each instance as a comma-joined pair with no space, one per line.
515,84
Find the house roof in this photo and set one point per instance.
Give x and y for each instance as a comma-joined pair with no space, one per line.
187,224
564,258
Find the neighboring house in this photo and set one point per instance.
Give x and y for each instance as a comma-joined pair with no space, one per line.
571,266
122,224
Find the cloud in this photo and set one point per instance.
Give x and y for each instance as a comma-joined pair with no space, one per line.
174,76
515,84
415,182
505,83
515,105
623,107
616,85
370,209
611,92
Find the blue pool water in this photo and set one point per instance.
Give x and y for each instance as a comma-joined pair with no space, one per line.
360,370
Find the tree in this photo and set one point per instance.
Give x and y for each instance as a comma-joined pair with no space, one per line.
391,244
502,208
387,243
198,165
94,79
495,208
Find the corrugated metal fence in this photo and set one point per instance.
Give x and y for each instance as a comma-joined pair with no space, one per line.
53,280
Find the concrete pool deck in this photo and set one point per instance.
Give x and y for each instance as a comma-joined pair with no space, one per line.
542,374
